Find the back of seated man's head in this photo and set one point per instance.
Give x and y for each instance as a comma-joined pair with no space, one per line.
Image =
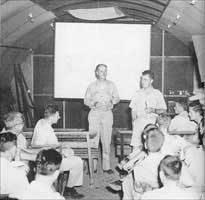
48,161
180,106
152,138
14,121
8,145
170,168
196,107
163,120
50,109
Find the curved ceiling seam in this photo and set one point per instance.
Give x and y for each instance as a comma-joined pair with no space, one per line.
17,12
31,33
118,4
26,22
111,1
182,13
134,10
43,37
134,14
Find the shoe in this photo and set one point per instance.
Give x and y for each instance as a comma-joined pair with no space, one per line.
109,171
116,185
71,192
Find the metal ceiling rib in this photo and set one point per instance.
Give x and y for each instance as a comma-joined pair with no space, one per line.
151,8
191,19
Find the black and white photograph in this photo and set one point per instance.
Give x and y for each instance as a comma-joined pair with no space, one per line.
102,99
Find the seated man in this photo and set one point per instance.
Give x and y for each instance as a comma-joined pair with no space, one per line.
194,162
181,121
48,162
12,179
142,174
44,136
14,122
169,175
186,149
173,144
196,114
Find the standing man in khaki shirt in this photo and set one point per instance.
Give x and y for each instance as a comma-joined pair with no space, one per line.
100,97
146,104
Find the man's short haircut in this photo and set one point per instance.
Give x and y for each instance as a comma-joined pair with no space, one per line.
150,128
171,166
50,109
197,107
13,118
45,158
99,65
148,72
5,138
163,118
183,104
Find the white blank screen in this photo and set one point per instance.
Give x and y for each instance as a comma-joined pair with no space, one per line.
79,47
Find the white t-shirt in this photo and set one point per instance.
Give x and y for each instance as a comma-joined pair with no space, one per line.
147,170
194,159
181,122
12,179
44,134
39,189
171,192
142,100
173,144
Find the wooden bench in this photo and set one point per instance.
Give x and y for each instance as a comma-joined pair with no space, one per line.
77,139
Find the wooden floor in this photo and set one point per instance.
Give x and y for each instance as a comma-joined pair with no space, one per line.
99,191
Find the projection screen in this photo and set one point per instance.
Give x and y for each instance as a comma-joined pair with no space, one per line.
79,47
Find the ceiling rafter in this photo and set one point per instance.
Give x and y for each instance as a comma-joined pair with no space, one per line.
146,8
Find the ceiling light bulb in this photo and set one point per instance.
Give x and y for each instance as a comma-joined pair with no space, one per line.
178,16
30,18
193,2
169,25
30,15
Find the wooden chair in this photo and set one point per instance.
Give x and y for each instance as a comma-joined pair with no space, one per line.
122,139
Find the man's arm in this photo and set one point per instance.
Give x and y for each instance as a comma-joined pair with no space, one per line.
161,105
115,95
88,100
134,115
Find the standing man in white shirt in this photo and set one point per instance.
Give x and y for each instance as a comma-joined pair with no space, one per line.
44,135
100,97
146,104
